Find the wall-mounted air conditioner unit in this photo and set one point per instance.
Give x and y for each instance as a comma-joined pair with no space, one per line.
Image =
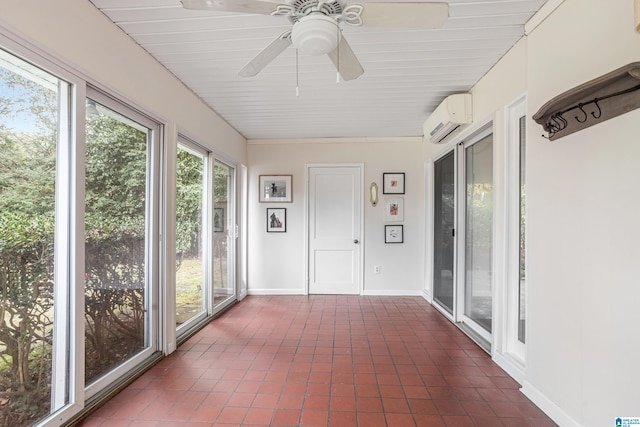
449,118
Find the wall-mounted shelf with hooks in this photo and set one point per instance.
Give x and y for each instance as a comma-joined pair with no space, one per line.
593,102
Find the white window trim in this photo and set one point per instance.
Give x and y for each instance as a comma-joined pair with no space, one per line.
152,240
187,144
508,351
68,240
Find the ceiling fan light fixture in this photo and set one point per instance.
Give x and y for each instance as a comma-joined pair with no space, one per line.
315,34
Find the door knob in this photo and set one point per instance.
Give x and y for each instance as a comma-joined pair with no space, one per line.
356,241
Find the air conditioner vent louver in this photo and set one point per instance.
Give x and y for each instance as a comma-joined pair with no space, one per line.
451,116
444,136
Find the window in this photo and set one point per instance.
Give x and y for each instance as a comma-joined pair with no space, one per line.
478,233
80,209
121,208
191,241
515,286
224,286
205,240
34,249
522,285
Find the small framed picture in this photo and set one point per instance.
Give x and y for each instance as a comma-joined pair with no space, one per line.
394,209
275,188
393,234
218,220
393,183
276,220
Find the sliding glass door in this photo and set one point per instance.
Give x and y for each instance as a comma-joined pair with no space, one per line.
224,226
463,233
444,231
121,219
36,253
192,294
205,236
478,232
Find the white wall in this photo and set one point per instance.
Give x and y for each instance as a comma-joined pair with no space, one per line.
402,265
583,228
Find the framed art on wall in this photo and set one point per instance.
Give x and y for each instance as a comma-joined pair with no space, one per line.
275,188
394,209
276,220
393,183
393,234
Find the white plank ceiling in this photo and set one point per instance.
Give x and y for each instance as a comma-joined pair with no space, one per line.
407,72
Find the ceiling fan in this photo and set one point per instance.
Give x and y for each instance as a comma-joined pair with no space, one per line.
316,26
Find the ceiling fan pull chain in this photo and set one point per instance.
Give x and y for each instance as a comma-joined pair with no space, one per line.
338,52
297,76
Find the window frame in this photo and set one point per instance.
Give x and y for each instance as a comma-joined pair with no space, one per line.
67,383
514,347
184,330
232,231
509,352
152,239
481,336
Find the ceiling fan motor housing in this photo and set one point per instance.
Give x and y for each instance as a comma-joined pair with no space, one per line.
315,34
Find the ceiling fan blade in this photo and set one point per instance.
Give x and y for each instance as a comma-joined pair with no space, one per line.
241,6
345,61
405,15
267,55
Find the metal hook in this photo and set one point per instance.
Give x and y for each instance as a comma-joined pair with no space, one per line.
550,126
559,122
595,101
583,112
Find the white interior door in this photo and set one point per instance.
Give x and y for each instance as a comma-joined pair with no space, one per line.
335,227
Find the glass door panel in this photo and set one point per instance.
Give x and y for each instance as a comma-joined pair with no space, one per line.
478,229
117,291
444,229
522,283
34,282
223,232
191,288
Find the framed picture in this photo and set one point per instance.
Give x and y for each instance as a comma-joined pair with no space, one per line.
394,209
275,188
218,220
393,234
393,183
276,220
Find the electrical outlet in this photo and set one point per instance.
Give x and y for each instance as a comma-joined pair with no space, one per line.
376,269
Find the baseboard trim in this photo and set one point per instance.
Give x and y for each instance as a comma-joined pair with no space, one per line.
511,367
392,293
274,292
547,406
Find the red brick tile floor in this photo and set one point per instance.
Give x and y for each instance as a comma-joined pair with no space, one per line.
319,361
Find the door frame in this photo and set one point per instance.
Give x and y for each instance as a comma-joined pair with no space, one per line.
307,260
